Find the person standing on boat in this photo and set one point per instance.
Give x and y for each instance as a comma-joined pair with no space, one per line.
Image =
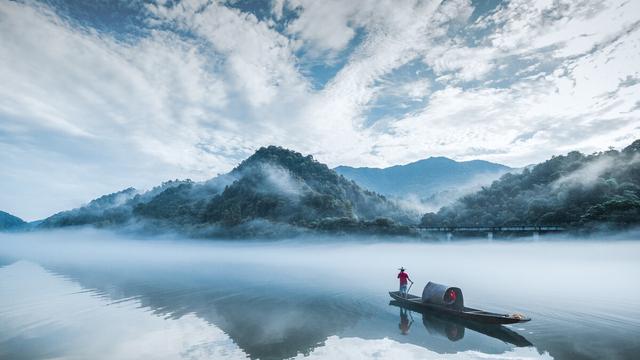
404,279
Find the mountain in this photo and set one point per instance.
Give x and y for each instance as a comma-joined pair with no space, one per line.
10,222
272,191
434,179
574,190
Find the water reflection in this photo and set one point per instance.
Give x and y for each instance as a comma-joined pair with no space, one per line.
405,324
248,319
283,300
68,312
48,316
450,329
453,328
265,319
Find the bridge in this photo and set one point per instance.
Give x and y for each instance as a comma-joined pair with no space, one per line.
535,230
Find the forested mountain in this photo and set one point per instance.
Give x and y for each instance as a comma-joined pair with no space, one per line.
273,189
571,190
10,222
277,190
426,179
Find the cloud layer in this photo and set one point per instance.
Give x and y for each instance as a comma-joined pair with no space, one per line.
90,105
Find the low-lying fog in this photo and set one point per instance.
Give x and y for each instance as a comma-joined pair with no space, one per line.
293,298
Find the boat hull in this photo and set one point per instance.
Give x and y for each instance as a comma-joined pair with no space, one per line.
467,313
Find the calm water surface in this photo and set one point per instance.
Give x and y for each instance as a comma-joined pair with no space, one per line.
74,295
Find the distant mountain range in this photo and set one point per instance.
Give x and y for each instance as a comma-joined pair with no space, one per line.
272,192
434,181
10,222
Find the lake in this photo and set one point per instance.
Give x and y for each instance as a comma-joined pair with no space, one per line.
90,294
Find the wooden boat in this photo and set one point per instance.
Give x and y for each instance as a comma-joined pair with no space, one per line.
463,312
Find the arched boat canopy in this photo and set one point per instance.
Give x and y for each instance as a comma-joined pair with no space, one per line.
443,295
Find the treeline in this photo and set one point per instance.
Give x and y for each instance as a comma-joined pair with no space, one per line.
601,189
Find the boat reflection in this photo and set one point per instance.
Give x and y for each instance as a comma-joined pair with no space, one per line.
438,326
453,328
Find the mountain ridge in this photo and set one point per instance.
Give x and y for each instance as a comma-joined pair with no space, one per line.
278,191
425,178
600,190
273,188
10,222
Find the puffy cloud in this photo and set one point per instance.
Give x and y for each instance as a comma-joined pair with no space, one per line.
461,62
570,27
257,59
327,25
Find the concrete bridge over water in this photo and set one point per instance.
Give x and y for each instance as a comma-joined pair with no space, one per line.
534,230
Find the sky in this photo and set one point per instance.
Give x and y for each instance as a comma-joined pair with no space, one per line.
97,96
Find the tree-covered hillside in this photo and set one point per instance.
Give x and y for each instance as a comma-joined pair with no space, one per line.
274,186
570,190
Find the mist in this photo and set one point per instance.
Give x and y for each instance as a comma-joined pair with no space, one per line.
588,175
446,196
368,262
319,294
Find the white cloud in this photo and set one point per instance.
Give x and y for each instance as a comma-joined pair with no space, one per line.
460,61
277,8
258,60
81,97
397,34
149,93
326,25
416,90
579,106
572,27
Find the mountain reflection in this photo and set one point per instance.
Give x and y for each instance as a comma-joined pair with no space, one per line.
265,320
287,299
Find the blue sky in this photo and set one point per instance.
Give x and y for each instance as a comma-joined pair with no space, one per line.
97,96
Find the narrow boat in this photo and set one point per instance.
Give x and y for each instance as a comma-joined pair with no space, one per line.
449,300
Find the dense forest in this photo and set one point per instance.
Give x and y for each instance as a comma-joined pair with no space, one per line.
272,191
597,190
